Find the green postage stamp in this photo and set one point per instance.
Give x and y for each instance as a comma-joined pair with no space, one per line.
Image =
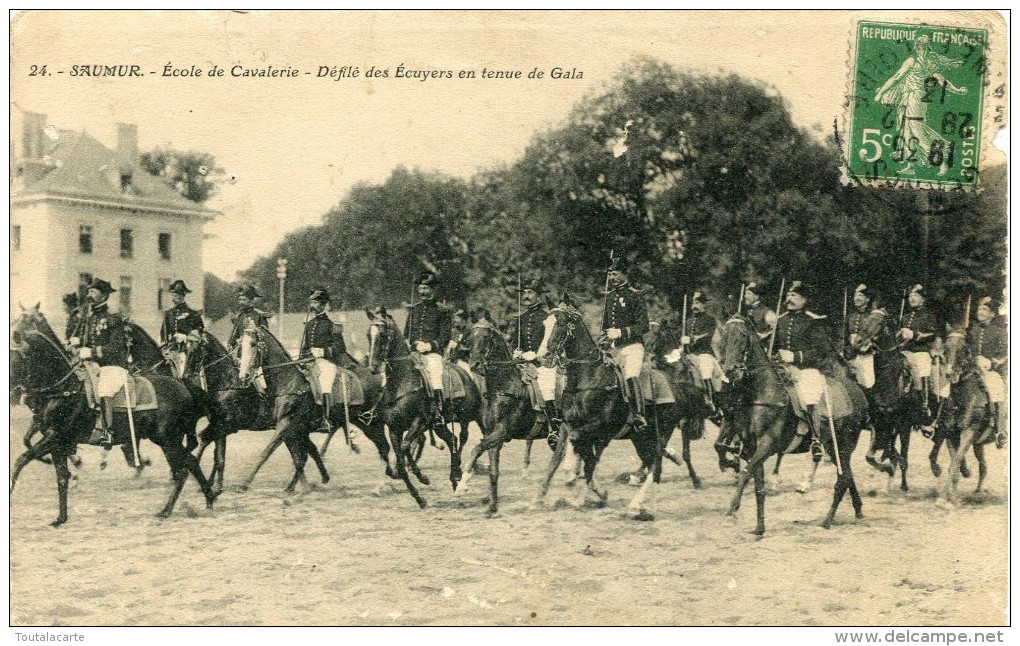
915,109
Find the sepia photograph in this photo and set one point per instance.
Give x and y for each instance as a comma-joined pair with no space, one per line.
509,318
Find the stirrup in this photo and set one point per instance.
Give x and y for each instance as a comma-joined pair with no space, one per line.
101,437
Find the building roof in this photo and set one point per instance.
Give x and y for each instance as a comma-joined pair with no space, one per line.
76,166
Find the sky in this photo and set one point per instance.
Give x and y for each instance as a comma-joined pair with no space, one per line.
293,146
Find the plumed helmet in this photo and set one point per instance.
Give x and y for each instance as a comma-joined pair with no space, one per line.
248,290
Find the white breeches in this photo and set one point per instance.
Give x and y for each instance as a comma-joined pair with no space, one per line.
327,374
863,366
178,362
920,366
631,358
809,384
434,368
710,370
995,385
111,380
546,378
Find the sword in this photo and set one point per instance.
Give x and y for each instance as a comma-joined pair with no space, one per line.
131,419
740,300
519,310
966,314
842,341
772,339
832,430
605,292
683,325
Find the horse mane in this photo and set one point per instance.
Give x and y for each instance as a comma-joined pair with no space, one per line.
275,351
501,342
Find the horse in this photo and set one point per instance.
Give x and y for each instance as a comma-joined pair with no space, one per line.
967,416
406,406
595,410
772,422
507,407
43,370
891,408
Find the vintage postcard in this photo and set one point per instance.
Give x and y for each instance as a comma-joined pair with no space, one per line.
509,318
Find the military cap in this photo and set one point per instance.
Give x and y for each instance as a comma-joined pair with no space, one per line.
178,287
918,289
699,297
864,290
534,285
991,303
102,286
319,294
71,300
248,290
427,278
619,263
801,288
757,286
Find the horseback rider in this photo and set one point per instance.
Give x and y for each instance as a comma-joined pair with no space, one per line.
863,326
696,341
317,344
624,324
988,339
916,338
762,317
103,360
182,328
428,332
802,343
526,335
248,317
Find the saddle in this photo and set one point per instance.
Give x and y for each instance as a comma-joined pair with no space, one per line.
839,400
529,375
143,395
345,379
453,384
654,385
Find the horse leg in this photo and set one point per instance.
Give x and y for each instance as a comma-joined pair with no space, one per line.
837,495
316,456
63,478
979,453
447,436
19,464
129,458
219,464
933,455
414,444
650,451
178,467
400,449
759,499
554,464
494,481
904,464
299,457
685,440
845,480
775,480
762,451
282,426
809,479
527,457
487,443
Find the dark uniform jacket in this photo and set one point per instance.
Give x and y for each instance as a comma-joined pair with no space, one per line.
103,332
700,327
179,319
626,309
427,321
248,314
804,334
922,322
868,326
318,334
532,330
990,340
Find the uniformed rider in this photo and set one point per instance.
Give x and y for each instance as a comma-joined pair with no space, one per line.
762,317
182,328
917,336
697,344
624,324
102,348
802,342
526,335
988,339
428,332
865,323
317,344
248,317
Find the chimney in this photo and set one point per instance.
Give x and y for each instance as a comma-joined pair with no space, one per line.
127,145
32,135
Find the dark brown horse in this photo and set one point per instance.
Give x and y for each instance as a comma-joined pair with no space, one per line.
594,412
406,404
967,417
772,424
45,373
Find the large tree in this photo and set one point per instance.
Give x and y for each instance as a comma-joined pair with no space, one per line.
190,173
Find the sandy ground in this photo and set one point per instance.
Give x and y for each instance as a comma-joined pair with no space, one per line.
340,555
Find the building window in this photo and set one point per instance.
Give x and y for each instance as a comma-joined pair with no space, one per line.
125,295
16,236
127,243
125,181
164,246
164,286
85,238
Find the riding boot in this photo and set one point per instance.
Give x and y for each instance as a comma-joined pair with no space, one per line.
715,413
925,411
553,421
637,412
439,421
101,435
327,400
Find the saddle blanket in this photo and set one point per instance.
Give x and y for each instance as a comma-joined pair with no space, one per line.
654,385
143,395
355,391
839,400
453,385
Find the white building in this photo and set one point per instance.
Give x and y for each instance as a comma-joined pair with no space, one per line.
80,210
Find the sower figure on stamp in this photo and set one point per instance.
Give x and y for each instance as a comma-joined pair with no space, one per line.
624,324
428,333
988,339
103,353
802,343
182,329
917,337
697,344
317,344
526,336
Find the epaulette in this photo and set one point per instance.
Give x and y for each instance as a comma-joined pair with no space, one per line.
816,317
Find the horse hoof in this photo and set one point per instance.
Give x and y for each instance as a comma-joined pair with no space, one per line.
904,488
696,482
58,522
859,515
634,480
936,470
942,503
803,487
644,516
826,524
422,504
424,480
163,515
964,471
241,488
492,513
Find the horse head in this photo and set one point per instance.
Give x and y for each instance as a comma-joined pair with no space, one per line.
384,339
484,342
735,347
38,359
568,337
958,355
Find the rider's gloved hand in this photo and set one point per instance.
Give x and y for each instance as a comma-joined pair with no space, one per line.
180,337
85,353
318,353
422,346
906,334
786,356
613,333
529,356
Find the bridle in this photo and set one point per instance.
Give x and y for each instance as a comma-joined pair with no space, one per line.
57,385
557,350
